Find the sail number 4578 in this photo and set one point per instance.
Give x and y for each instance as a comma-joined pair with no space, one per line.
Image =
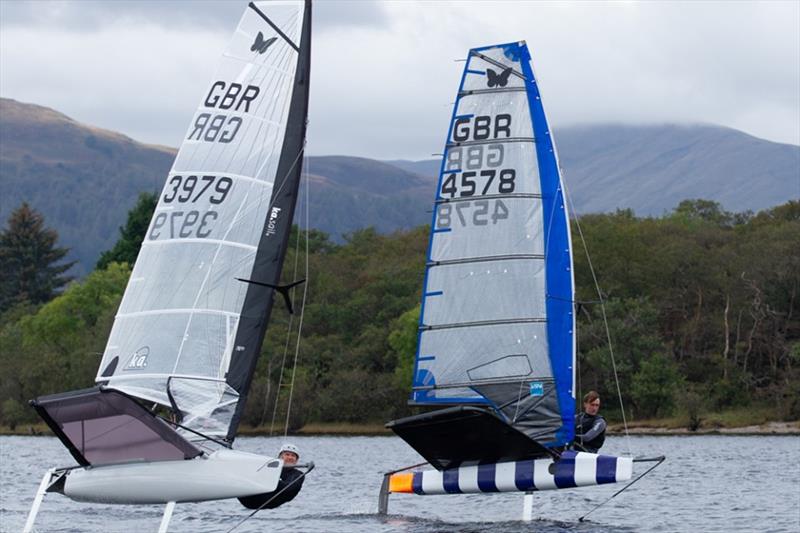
476,213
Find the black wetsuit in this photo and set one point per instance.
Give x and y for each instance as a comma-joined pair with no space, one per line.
289,476
590,432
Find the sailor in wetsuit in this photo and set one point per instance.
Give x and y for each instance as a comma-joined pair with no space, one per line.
590,428
290,483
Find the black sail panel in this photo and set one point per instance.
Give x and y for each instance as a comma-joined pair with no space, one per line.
272,246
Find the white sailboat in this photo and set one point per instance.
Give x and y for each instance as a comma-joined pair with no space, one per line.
496,344
159,425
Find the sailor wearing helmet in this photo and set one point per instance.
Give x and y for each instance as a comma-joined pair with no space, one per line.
290,454
288,486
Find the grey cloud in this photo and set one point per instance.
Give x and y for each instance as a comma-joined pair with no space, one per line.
90,15
383,86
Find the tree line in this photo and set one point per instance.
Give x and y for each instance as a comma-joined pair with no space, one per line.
700,306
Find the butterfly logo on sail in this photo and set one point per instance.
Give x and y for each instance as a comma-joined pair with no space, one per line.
497,80
260,45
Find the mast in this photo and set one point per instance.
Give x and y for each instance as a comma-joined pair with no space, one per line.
272,246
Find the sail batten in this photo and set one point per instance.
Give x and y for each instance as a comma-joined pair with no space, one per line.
496,325
484,323
489,197
512,379
508,140
492,91
483,259
220,242
178,311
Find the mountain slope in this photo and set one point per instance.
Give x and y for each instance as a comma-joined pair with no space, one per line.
652,168
84,179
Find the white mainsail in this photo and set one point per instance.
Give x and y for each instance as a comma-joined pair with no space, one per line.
172,340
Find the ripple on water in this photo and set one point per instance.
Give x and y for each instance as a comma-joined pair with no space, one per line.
709,482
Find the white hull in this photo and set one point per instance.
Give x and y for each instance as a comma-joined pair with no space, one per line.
221,475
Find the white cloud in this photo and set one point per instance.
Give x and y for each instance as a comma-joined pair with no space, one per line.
383,75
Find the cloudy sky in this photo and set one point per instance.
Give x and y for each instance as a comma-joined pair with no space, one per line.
384,73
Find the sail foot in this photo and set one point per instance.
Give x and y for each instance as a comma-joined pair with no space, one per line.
531,407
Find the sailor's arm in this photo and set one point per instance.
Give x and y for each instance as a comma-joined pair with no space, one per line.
598,428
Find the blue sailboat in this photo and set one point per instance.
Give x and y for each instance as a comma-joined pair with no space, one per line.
496,344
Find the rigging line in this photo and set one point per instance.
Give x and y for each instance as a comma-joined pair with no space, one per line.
288,338
519,400
578,366
660,460
305,292
203,435
280,378
605,318
288,330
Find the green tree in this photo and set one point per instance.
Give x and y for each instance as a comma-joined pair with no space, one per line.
126,249
31,264
708,211
655,385
67,335
403,340
633,326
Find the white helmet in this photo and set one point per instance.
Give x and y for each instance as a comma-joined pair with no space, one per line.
290,448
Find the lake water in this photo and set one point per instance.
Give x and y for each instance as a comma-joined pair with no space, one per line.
708,483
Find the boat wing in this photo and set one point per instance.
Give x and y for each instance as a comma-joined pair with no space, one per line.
448,438
103,426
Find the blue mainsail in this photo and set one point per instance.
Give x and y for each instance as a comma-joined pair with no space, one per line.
497,319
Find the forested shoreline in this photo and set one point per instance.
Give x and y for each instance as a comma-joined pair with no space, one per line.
701,307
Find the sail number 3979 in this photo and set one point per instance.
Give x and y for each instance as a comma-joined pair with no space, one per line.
190,223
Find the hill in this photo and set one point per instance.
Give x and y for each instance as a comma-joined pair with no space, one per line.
650,169
84,179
